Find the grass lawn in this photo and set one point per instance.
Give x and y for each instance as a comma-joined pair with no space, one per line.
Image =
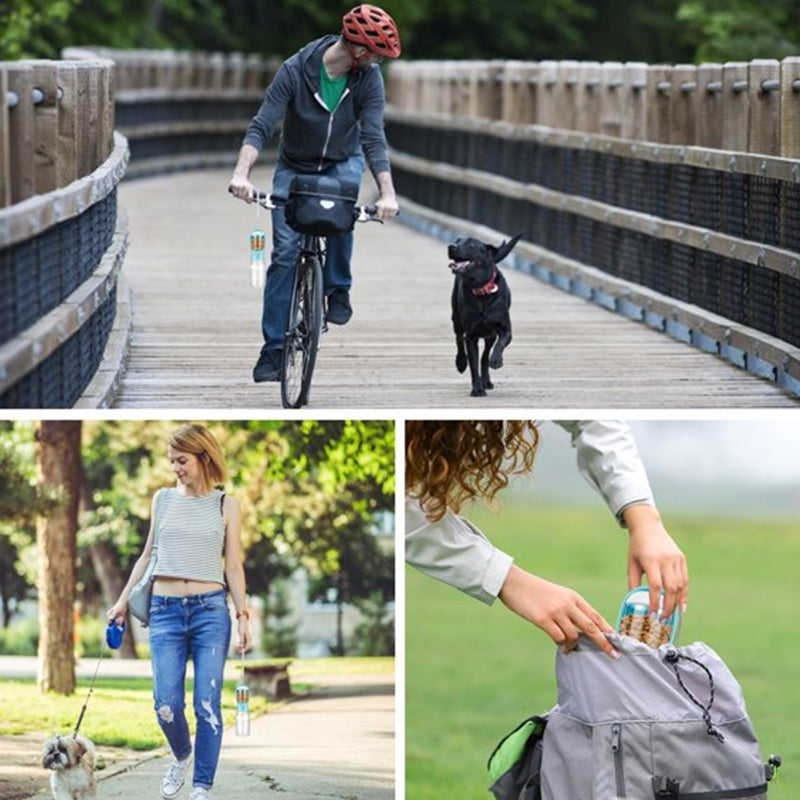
473,672
120,711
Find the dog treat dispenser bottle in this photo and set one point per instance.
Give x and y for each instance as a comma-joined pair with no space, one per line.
258,264
243,706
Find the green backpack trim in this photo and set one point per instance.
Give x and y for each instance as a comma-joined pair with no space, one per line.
512,747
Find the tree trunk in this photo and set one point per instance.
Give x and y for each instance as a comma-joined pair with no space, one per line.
111,586
59,476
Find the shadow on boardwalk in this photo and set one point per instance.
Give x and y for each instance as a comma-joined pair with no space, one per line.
196,325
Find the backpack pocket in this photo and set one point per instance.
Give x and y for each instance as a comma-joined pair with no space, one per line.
691,764
515,764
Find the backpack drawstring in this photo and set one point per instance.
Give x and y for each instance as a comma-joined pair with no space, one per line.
672,657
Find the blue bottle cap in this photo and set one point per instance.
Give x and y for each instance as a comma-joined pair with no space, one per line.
114,634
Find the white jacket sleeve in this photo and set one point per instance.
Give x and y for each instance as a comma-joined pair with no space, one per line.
453,550
609,460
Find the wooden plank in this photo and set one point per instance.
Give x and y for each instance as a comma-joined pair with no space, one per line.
197,349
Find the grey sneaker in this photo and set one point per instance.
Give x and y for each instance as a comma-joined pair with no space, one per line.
199,793
175,778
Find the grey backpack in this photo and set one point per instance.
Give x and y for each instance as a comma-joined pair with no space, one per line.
655,724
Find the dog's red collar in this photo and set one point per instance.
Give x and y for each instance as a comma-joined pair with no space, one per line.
490,287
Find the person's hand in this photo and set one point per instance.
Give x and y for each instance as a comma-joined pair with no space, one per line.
117,612
387,206
560,612
652,552
244,634
241,187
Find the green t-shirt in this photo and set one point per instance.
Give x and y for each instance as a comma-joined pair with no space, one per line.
331,89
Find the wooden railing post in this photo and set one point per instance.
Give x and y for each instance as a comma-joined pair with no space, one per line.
634,78
683,105
735,122
45,149
765,107
5,143
613,99
709,105
21,118
659,96
67,154
547,96
588,96
790,107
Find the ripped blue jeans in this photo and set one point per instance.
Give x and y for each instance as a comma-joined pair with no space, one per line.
198,626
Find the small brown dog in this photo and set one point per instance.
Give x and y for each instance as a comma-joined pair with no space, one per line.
71,759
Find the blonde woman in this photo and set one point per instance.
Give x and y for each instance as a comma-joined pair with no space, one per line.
199,555
450,462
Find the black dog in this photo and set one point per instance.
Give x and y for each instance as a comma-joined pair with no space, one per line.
481,303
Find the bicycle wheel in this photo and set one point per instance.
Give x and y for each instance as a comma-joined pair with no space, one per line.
302,338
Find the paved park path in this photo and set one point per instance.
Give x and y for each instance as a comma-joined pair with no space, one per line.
196,325
337,743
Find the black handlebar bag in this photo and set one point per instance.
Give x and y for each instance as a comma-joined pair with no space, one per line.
321,205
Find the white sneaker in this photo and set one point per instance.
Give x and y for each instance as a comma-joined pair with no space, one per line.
175,777
199,793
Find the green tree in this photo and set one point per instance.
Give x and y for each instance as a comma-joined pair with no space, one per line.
20,503
740,30
25,27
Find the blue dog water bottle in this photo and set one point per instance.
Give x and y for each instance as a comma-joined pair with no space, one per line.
114,634
258,264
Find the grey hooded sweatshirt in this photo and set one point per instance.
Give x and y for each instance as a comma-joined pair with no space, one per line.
313,138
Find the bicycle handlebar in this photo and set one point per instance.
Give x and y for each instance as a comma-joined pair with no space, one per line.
364,213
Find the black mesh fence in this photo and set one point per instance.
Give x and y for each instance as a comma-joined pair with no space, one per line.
40,273
61,378
755,208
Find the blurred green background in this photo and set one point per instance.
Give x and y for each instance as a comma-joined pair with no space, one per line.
474,672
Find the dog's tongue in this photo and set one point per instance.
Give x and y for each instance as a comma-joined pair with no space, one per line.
457,266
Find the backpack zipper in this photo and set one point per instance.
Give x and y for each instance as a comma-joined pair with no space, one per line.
616,749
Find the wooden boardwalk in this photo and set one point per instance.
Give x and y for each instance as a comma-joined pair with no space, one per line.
196,326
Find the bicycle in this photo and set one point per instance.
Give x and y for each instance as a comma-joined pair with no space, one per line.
306,312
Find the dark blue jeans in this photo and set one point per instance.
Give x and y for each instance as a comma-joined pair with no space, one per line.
200,626
286,243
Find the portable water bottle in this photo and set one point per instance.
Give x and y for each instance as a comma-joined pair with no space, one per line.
258,264
242,710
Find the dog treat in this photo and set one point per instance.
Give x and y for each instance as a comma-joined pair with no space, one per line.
635,620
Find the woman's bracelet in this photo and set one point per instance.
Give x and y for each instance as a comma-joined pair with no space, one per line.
243,613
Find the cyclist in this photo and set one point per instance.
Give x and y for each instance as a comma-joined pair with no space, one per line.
330,98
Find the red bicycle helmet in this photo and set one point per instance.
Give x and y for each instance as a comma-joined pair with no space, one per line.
373,28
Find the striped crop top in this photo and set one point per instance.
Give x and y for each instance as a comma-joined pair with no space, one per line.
190,535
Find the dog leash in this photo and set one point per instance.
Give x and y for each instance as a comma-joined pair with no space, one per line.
113,641
91,689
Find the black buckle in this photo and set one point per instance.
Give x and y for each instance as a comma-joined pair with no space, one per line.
666,788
